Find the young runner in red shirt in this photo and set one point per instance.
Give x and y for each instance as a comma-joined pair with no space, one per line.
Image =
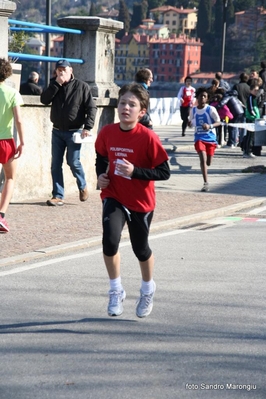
129,159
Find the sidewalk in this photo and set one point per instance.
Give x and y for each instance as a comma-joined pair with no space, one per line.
37,230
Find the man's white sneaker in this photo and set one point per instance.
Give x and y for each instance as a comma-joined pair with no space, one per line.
249,155
145,303
115,305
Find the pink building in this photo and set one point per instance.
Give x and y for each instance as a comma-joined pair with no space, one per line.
172,59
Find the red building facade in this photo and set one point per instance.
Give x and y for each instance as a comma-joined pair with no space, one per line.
172,59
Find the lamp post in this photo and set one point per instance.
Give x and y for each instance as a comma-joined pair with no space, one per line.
225,4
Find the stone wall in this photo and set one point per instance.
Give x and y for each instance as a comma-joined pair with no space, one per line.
96,47
33,175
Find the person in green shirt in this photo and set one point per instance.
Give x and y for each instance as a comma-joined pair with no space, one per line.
10,102
252,113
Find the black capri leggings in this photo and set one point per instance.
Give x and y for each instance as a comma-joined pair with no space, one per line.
115,215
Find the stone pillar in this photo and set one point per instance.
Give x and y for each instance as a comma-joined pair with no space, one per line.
96,46
6,9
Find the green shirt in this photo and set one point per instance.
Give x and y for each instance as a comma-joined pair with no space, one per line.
9,98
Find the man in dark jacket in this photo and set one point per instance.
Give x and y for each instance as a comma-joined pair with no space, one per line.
73,110
237,109
262,74
243,92
31,87
242,88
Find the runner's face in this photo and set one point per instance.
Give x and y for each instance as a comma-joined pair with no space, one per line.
129,110
203,98
188,82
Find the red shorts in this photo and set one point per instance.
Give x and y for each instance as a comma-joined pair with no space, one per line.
209,148
7,150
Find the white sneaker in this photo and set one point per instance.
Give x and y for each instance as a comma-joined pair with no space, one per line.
205,187
145,303
115,305
249,155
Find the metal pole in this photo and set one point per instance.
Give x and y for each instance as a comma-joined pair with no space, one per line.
47,42
225,4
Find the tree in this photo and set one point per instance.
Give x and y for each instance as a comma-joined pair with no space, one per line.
139,13
144,9
124,17
218,19
260,46
17,41
92,10
136,16
204,19
230,19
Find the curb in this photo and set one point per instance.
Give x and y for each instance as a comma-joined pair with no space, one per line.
159,226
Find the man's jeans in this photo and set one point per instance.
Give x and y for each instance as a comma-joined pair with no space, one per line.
242,132
233,131
61,142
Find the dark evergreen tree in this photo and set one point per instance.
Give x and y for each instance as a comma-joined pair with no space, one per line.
218,20
92,12
140,11
123,17
136,19
144,9
260,45
204,19
230,13
139,14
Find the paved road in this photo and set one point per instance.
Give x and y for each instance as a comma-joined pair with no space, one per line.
204,339
37,230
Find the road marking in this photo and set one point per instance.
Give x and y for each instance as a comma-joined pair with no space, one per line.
257,210
244,219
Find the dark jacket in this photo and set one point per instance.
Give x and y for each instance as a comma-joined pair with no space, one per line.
30,88
233,103
224,85
260,100
72,107
262,75
243,91
252,110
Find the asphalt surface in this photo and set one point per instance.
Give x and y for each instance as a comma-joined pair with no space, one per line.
37,230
